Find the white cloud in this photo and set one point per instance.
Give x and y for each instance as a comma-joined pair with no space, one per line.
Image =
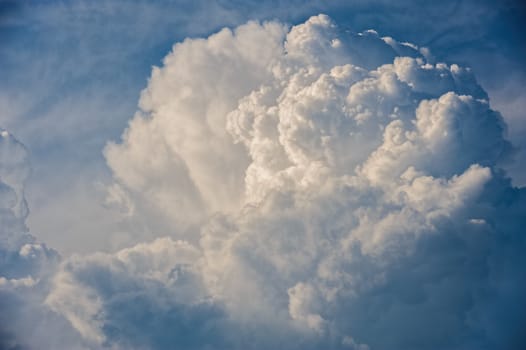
333,190
89,76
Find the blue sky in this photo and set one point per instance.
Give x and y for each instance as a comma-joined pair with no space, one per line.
294,182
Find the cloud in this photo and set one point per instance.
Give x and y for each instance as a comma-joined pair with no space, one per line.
89,76
313,188
189,135
21,255
25,264
145,296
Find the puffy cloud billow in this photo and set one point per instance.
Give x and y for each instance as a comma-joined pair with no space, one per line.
300,188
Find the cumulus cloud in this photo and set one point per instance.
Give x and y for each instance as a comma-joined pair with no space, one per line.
180,179
314,189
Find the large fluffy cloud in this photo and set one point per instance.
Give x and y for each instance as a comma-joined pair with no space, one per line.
182,164
317,189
